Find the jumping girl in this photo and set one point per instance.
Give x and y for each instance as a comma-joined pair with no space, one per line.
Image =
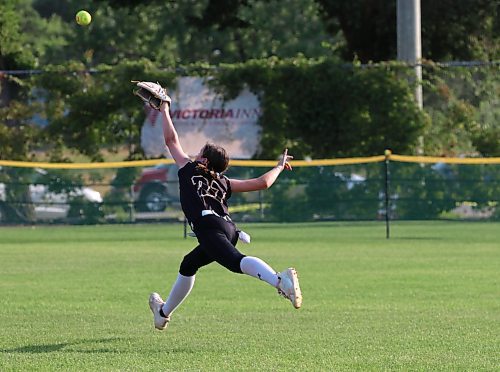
204,192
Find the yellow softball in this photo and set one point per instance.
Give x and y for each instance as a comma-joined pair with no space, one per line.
83,18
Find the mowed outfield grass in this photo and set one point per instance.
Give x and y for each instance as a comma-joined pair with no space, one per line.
75,298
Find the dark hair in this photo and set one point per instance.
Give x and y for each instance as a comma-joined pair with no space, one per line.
217,160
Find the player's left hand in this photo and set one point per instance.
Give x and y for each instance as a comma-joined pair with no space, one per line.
284,158
153,94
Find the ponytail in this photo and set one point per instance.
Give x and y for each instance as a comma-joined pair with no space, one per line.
202,168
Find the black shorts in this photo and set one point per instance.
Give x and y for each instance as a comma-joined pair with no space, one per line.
217,240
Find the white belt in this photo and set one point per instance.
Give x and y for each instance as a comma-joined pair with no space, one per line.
207,212
243,236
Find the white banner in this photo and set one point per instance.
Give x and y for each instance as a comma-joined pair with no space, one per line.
200,116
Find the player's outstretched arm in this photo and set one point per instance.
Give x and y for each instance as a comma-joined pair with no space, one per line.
266,180
171,137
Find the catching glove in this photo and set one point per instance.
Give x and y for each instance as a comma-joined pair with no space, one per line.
153,94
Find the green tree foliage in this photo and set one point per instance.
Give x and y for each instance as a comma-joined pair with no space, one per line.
260,29
464,105
460,30
346,111
451,29
289,52
93,112
464,29
13,40
24,38
173,33
368,26
126,40
17,135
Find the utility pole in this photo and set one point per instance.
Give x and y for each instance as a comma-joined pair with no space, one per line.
409,40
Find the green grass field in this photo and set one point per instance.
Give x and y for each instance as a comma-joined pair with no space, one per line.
75,298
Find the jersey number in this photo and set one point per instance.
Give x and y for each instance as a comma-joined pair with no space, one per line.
209,188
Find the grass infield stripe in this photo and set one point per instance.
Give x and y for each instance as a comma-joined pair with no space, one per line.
254,163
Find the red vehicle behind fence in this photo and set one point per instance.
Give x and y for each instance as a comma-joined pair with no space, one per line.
156,188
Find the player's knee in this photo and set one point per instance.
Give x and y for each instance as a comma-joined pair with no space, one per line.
188,266
234,264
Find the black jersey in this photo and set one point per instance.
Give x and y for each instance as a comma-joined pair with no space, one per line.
198,192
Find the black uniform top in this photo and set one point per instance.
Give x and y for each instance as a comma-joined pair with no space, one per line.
199,191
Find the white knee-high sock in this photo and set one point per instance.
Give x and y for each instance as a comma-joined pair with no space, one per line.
180,290
257,268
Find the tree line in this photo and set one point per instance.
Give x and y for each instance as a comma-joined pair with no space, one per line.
304,58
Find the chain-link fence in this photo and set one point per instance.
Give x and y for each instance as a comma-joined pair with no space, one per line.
374,188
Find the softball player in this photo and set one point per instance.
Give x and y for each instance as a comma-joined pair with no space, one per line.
204,192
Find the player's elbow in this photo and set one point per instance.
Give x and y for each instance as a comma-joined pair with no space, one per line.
265,184
171,140
258,184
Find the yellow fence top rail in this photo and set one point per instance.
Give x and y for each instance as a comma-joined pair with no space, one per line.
115,164
255,163
307,163
435,159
